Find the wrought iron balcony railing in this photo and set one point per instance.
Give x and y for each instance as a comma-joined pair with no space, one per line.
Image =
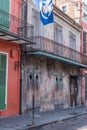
26,31
49,46
14,25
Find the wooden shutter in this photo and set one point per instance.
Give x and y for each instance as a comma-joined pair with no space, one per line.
4,18
3,59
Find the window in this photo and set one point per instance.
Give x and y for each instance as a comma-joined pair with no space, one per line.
72,40
58,82
58,38
85,16
77,6
58,34
72,45
84,42
3,70
36,22
64,8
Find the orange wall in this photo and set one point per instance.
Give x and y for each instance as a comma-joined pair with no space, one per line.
15,9
13,84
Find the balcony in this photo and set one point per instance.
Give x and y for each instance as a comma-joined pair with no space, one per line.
52,49
12,29
26,31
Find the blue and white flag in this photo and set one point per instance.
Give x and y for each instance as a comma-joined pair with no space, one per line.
45,8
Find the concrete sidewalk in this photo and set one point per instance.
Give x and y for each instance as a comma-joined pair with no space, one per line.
24,122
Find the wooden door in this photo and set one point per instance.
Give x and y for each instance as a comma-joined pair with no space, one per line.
73,90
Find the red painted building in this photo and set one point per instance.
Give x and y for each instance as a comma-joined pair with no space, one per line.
10,41
10,78
9,56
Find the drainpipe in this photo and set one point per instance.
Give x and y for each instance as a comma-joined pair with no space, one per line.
21,58
81,37
21,63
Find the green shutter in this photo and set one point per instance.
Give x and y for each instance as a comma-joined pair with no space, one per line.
3,58
4,5
4,18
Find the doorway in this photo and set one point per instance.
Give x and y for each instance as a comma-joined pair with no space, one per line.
33,89
73,90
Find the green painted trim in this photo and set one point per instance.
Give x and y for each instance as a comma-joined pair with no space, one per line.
57,58
4,19
5,5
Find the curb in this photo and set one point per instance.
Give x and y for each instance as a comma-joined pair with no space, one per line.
48,123
76,115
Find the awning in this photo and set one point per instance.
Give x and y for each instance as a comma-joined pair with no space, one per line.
55,57
9,36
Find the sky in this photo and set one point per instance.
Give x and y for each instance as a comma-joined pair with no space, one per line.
85,1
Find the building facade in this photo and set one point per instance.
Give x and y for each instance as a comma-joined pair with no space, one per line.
78,11
51,72
10,40
9,55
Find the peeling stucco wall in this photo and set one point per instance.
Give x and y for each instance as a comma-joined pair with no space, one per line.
47,96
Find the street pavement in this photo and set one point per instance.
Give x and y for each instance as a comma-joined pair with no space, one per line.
25,121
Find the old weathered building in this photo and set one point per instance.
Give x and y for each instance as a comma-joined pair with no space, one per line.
78,11
51,70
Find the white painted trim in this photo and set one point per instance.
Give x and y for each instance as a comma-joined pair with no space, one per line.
6,77
3,52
